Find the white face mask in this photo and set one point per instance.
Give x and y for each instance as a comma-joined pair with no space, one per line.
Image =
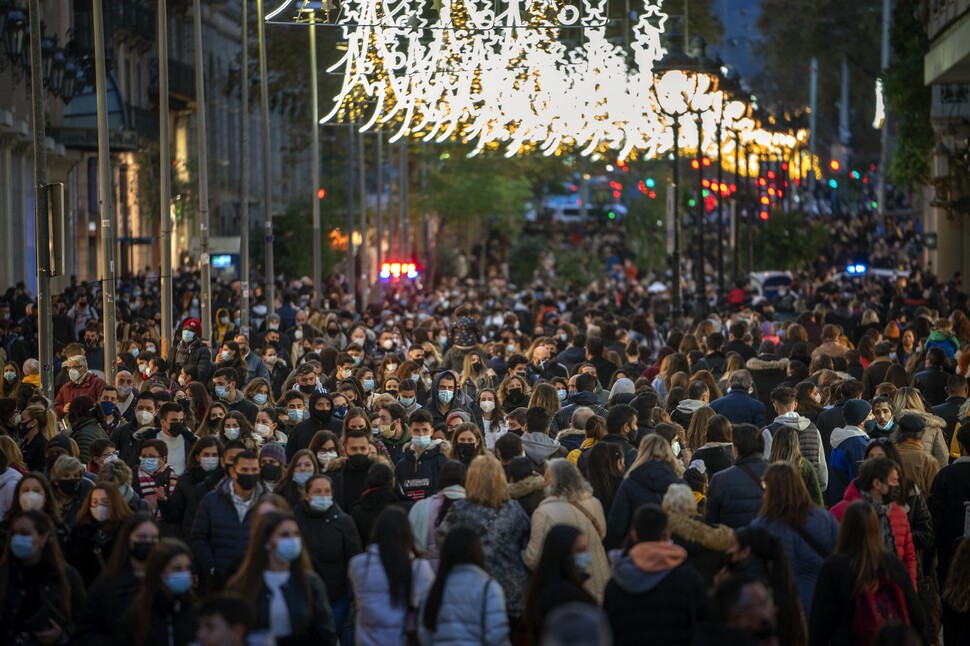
143,417
31,501
100,513
263,430
487,406
323,457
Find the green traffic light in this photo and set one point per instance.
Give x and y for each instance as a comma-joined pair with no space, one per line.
691,202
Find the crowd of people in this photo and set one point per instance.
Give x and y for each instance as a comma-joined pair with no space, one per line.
481,465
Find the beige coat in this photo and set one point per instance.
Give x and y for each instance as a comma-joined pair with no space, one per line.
934,442
559,511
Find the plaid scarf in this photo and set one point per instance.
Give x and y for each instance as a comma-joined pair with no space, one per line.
883,510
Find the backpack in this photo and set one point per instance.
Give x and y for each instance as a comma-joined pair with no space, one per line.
879,605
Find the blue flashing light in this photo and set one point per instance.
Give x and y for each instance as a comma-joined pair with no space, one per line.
856,270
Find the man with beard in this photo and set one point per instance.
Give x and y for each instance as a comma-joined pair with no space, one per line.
318,418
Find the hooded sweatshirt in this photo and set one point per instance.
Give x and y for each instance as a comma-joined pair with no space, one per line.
848,448
809,442
540,448
685,411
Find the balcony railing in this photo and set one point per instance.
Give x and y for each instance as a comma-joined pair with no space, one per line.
944,13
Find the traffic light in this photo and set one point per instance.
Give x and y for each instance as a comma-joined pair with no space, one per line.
835,165
321,193
650,182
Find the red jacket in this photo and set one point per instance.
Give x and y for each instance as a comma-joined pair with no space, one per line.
91,385
898,521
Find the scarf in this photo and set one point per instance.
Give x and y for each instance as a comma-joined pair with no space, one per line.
882,510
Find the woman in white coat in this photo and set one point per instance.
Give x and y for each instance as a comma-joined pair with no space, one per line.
389,581
466,607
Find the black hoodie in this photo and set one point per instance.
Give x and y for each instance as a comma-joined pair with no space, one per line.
300,435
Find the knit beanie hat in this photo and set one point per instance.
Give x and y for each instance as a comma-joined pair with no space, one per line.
855,411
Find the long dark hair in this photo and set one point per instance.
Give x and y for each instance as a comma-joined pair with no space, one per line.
122,550
152,585
603,473
248,580
395,544
463,545
860,539
52,555
556,566
451,473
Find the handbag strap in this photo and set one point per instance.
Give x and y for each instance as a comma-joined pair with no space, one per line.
485,608
814,544
591,517
748,472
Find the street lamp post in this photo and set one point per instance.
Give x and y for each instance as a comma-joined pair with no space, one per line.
270,273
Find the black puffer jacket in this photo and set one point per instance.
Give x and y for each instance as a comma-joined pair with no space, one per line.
646,484
31,591
331,539
108,599
734,496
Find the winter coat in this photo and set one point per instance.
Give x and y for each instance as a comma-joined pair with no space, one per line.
740,408
528,492
848,448
424,517
540,448
571,439
833,606
41,584
716,456
654,597
9,478
91,385
180,507
461,402
897,520
472,611
331,540
734,495
645,484
586,515
107,600
505,534
934,442
944,340
349,482
89,549
173,622
84,434
418,474
766,373
920,468
951,489
830,419
685,411
311,620
188,355
706,544
371,504
219,538
809,442
932,384
874,375
805,560
379,622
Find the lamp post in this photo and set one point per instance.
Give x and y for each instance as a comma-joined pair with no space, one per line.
676,86
270,273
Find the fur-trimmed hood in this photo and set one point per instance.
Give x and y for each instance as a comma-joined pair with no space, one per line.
526,486
761,364
569,432
338,463
929,418
714,537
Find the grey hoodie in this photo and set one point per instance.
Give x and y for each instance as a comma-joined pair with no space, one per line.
800,424
840,435
539,447
690,406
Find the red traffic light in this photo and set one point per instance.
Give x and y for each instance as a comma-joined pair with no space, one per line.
322,193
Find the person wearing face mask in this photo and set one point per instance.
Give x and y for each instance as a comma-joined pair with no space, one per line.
882,424
878,485
163,611
173,432
93,538
33,492
33,421
41,593
332,334
393,430
126,437
70,488
446,397
276,578
220,532
203,461
408,396
318,416
331,540
278,367
223,329
381,492
81,383
272,458
224,381
417,470
349,471
87,425
155,479
112,593
191,351
466,443
119,474
300,468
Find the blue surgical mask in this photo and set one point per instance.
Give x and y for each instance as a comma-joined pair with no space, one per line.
222,392
260,398
421,441
563,338
295,415
407,402
887,426
445,396
892,356
561,393
583,560
415,377
288,549
231,433
321,503
123,490
357,361
368,385
22,546
188,336
178,582
149,465
301,477
134,352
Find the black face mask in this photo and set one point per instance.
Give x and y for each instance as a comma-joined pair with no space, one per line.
271,472
69,487
247,481
176,429
321,416
308,389
140,551
466,451
358,462
214,422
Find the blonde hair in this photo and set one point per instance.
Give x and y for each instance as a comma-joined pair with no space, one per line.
47,422
544,396
655,448
697,429
679,499
65,467
9,448
485,483
907,399
567,481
